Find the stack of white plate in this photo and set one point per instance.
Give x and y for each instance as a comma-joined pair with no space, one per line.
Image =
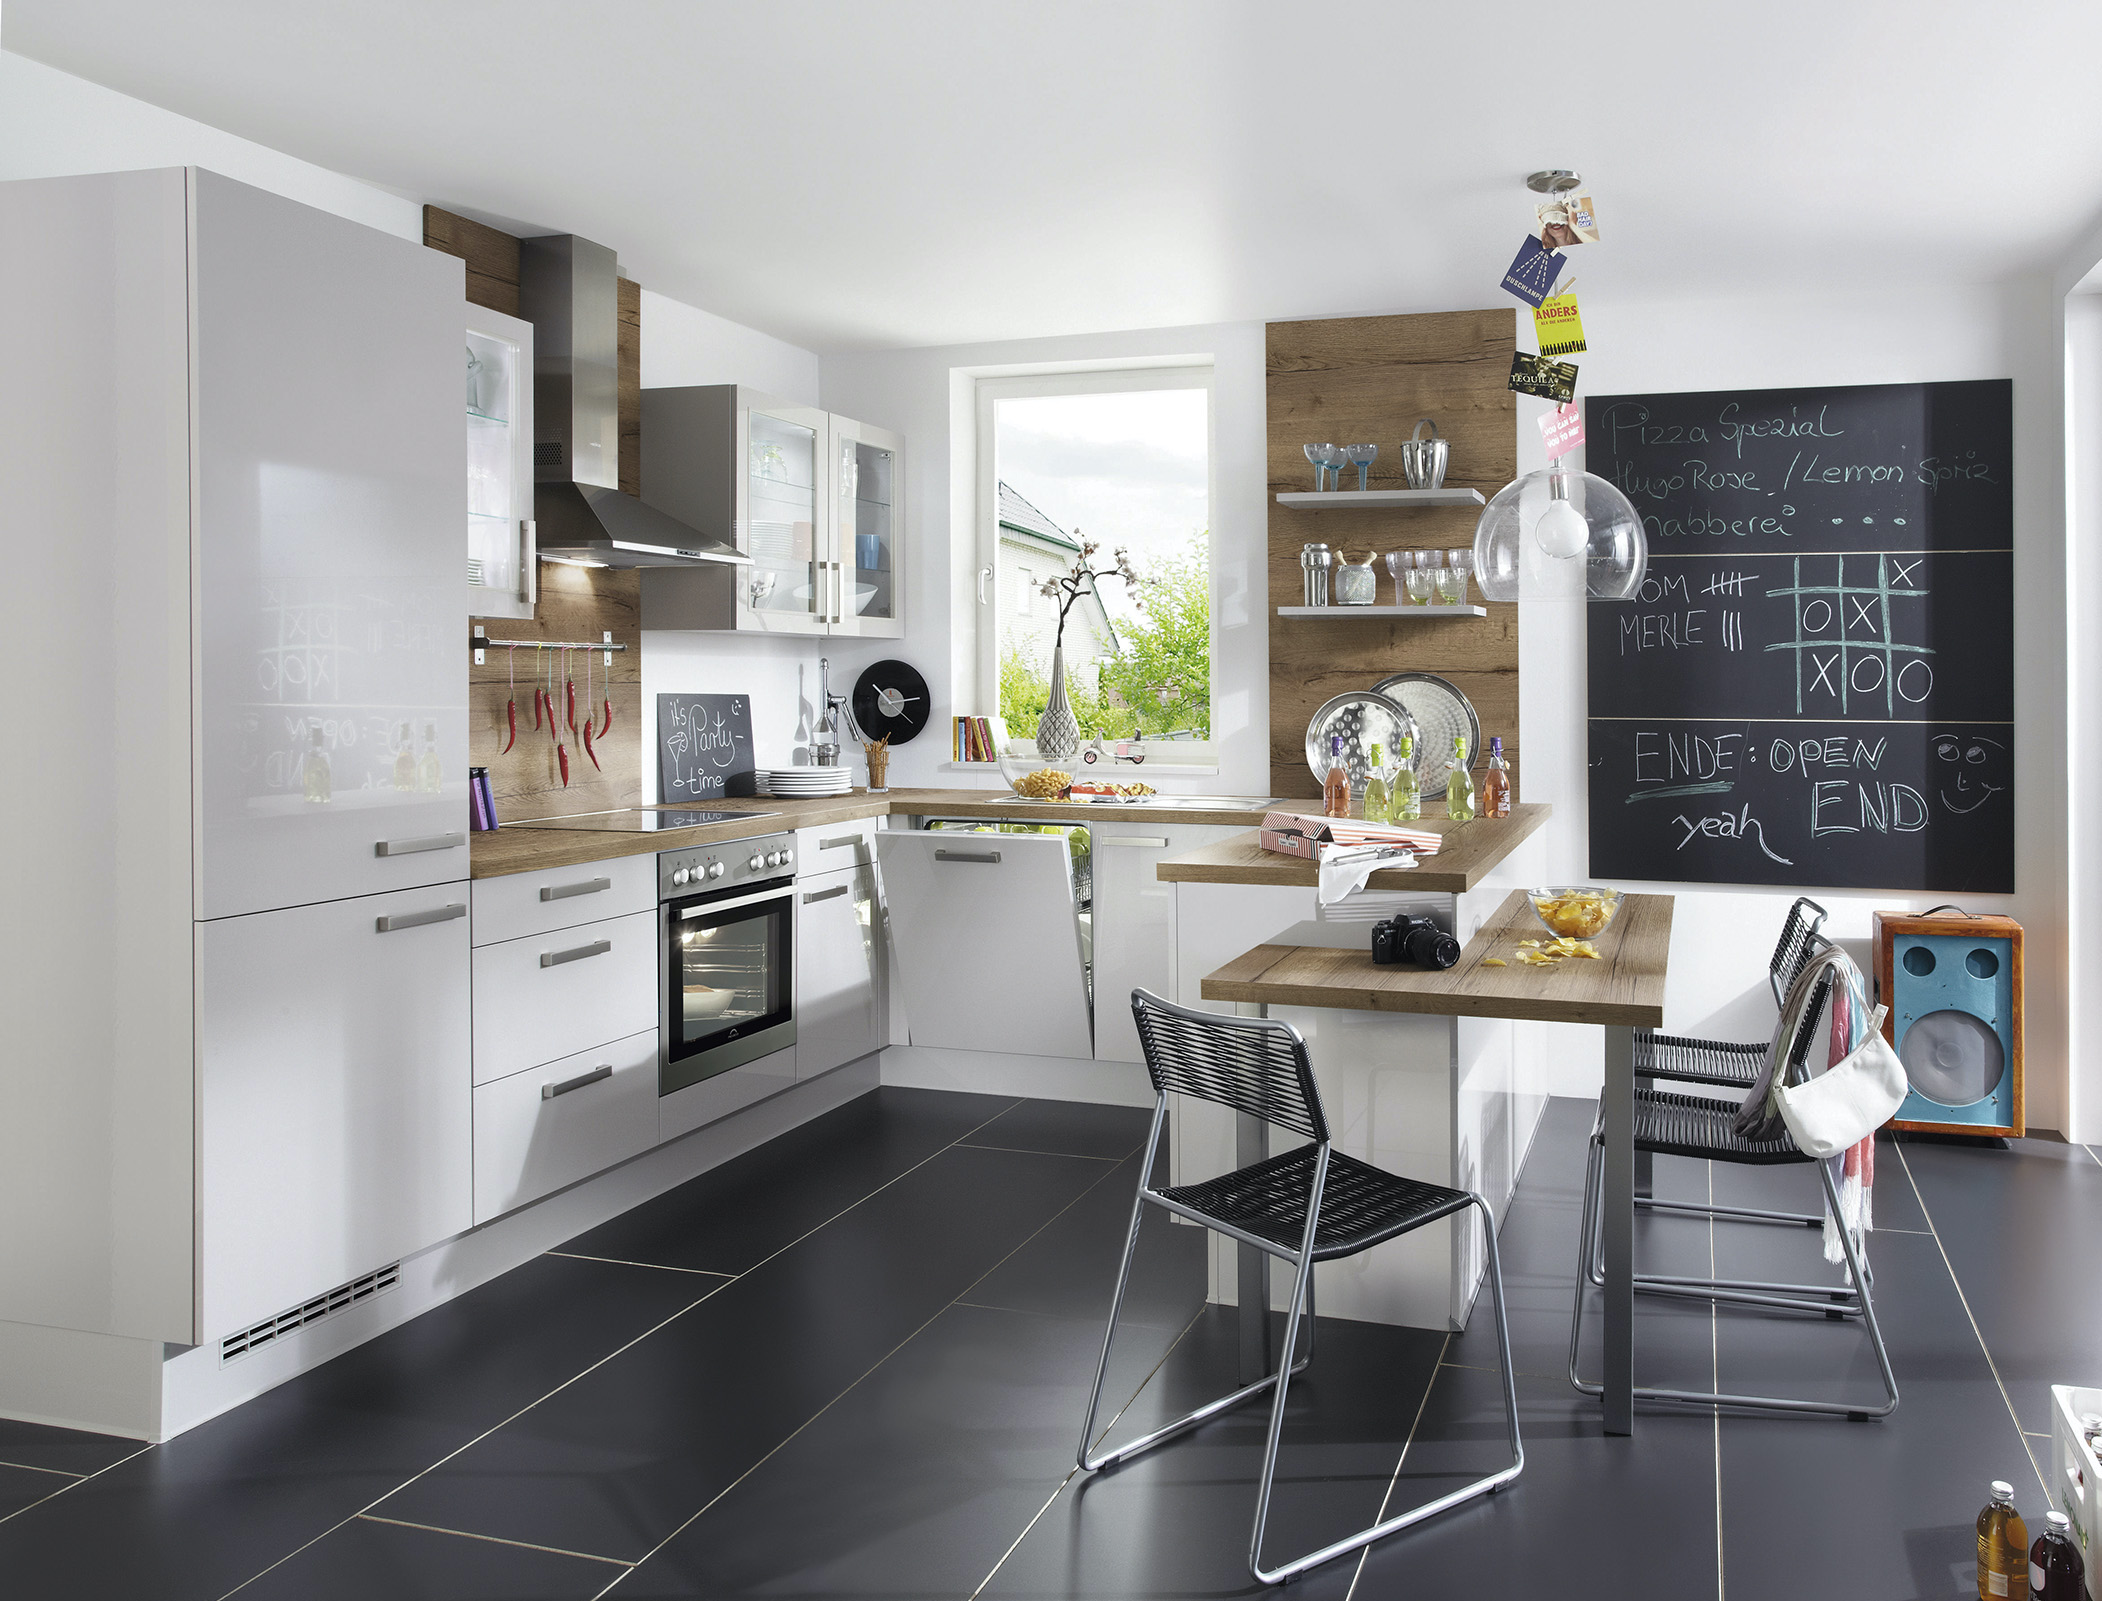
808,783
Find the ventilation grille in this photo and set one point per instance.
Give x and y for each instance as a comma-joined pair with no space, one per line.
313,1311
547,453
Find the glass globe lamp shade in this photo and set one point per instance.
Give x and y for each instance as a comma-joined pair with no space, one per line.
1559,534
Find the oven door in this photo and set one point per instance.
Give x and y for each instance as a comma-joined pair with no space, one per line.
727,988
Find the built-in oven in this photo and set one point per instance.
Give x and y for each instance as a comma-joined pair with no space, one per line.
726,957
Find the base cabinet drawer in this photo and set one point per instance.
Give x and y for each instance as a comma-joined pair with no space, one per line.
554,994
826,850
536,1131
519,905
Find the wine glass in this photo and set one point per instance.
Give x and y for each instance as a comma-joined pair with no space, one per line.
1323,457
1361,457
1452,577
1423,577
1399,565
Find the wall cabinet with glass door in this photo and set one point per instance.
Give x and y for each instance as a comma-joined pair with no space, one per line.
503,578
811,498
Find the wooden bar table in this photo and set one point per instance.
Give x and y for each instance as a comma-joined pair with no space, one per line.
1621,991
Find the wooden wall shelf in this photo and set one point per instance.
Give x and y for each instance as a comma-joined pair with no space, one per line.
1369,499
1346,613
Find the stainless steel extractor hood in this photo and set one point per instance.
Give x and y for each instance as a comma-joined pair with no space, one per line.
567,290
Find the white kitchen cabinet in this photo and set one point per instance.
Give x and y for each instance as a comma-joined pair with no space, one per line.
839,966
521,904
1134,922
334,1110
827,849
815,500
554,994
988,943
503,568
330,495
549,1126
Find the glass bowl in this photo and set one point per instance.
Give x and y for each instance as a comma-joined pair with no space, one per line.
1575,911
1016,768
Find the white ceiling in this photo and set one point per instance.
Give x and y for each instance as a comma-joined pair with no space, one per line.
915,172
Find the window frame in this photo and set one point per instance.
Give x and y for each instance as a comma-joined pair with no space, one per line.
990,391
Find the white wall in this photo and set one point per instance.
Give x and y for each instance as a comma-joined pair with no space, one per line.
927,395
684,345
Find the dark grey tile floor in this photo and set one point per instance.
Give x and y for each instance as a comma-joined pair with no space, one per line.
852,1364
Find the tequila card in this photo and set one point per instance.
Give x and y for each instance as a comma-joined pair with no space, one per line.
1532,273
1542,376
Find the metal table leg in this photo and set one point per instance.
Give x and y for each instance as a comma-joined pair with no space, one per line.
1618,1202
1252,1266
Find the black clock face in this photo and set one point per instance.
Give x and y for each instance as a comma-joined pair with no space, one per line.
891,698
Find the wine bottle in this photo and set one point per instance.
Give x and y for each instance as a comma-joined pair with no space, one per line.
1335,794
1459,787
1378,799
1408,792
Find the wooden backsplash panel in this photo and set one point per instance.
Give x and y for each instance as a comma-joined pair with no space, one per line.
575,603
1352,379
490,253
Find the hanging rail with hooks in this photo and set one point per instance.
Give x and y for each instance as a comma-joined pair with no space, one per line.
480,644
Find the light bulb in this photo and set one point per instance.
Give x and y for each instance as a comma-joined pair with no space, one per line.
1561,530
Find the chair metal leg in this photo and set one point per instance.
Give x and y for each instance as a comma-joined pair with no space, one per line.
1393,1525
1116,1301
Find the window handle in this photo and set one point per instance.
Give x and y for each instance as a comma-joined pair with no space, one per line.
985,575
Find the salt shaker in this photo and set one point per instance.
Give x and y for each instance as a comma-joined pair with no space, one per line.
1314,563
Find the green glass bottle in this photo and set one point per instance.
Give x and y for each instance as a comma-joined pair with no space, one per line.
1378,802
1407,803
1459,788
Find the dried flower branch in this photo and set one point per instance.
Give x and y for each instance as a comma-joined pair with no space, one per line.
1083,578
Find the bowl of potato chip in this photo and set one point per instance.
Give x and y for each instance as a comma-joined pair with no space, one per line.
1575,911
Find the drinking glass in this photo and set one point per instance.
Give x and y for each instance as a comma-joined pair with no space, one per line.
1323,457
1362,458
1399,565
1423,577
1452,577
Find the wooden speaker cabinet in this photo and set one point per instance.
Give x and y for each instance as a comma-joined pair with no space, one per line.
1953,983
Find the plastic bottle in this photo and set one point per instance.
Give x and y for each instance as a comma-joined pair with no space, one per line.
1496,782
1335,794
1459,787
2003,1548
2056,1571
1408,791
1379,802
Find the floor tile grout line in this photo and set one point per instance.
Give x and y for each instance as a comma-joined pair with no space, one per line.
610,1355
1415,1423
31,1467
790,1437
492,1539
621,1261
1074,1472
1022,1150
128,1456
1979,1334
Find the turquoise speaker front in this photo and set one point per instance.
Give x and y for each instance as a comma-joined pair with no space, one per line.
1952,1018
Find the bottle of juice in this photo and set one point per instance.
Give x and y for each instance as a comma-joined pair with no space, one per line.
1379,803
404,758
2056,1571
1496,782
1408,793
1459,790
1335,794
2003,1548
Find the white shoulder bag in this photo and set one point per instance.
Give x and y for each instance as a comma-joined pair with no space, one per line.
1850,1100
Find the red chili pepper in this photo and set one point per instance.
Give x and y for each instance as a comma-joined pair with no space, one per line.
554,723
511,698
608,723
510,722
537,693
562,751
572,687
588,751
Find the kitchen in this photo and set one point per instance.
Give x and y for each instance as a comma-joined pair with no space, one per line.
373,1072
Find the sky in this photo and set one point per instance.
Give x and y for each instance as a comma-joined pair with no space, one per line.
1125,469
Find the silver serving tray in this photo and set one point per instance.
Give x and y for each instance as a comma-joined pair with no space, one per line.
1440,711
1361,717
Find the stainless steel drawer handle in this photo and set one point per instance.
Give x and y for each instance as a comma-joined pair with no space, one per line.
1141,840
826,894
562,892
409,847
966,856
436,914
845,839
549,1091
597,947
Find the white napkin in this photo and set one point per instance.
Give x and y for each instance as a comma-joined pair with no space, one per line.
1344,872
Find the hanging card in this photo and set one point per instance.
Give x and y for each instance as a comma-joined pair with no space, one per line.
1559,326
1563,429
1565,222
1539,375
1532,272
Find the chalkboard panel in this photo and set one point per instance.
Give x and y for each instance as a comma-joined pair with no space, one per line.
704,748
1815,685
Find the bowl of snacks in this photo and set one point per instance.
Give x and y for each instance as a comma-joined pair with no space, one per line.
1032,778
1575,911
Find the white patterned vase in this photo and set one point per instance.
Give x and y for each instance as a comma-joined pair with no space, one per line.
1058,730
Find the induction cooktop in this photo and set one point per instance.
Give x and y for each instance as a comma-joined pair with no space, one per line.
638,822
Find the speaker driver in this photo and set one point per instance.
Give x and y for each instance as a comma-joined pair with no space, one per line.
1952,1058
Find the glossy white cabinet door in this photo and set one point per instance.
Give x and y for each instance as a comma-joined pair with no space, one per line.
785,516
331,489
334,1106
839,960
1135,923
987,942
503,570
549,1126
868,542
552,994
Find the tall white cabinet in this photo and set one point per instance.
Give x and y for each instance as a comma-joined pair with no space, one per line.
233,424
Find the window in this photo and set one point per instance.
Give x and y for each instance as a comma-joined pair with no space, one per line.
1120,460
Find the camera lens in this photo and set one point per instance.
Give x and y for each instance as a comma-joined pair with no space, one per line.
1428,946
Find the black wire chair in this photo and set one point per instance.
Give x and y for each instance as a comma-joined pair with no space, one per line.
1669,1124
1308,1205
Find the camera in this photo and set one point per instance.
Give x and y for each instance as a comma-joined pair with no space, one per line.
1414,941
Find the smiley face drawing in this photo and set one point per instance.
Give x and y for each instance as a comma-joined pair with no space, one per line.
1969,769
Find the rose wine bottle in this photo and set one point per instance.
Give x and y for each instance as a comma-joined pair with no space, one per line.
1496,782
1335,794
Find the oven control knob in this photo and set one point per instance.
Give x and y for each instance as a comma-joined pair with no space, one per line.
755,864
773,858
678,876
787,856
715,869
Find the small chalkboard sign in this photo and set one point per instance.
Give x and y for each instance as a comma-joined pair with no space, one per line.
704,748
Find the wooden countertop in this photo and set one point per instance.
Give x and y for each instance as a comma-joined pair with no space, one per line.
1466,853
1625,986
520,848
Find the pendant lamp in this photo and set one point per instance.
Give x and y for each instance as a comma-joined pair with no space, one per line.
1559,534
